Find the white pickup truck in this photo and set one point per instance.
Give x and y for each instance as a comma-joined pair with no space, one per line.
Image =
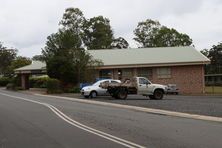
137,85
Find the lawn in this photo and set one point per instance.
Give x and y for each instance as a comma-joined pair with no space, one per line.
213,89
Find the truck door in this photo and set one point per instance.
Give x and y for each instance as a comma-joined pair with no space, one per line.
143,86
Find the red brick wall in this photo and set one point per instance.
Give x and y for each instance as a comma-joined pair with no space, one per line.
189,79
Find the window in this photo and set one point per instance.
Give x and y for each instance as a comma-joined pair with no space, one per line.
145,72
209,78
164,72
107,74
127,73
143,81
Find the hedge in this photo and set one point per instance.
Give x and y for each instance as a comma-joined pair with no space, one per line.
38,82
53,86
4,81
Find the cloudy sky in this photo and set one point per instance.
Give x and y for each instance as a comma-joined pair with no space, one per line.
25,24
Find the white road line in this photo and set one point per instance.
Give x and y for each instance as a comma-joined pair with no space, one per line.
79,125
142,109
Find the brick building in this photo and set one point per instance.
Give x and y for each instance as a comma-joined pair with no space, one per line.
183,66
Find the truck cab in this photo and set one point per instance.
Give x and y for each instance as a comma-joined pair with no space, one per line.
146,88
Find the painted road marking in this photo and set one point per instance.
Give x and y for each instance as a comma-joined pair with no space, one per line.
142,109
77,124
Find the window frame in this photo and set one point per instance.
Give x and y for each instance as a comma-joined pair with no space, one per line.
164,73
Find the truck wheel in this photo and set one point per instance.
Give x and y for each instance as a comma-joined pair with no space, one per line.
158,94
151,97
114,96
122,94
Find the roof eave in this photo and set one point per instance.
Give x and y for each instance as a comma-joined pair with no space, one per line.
153,65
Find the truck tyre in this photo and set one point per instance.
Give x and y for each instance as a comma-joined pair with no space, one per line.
158,94
122,94
115,96
151,97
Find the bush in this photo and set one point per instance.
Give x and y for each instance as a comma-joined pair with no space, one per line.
4,81
53,86
11,86
73,90
38,82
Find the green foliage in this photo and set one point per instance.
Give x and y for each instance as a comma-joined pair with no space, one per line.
72,90
17,63
62,68
38,58
73,19
61,43
4,81
11,86
205,52
215,55
16,81
152,34
97,33
38,82
6,58
65,58
120,43
53,86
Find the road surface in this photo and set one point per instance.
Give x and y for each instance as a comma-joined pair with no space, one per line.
37,121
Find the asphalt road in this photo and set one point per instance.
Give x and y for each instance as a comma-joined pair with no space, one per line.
34,121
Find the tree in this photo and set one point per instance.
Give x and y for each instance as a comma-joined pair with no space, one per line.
120,43
215,56
58,55
97,33
152,34
170,37
38,58
65,59
17,63
61,43
6,58
73,19
205,52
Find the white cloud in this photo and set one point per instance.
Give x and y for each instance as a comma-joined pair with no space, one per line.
25,24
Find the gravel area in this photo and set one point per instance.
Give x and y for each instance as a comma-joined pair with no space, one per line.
202,105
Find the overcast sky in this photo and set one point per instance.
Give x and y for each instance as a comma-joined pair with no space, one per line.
25,24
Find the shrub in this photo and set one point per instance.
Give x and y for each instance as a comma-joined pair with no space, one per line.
4,81
38,82
73,90
53,86
11,86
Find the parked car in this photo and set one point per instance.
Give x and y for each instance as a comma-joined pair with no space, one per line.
136,85
94,90
172,89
